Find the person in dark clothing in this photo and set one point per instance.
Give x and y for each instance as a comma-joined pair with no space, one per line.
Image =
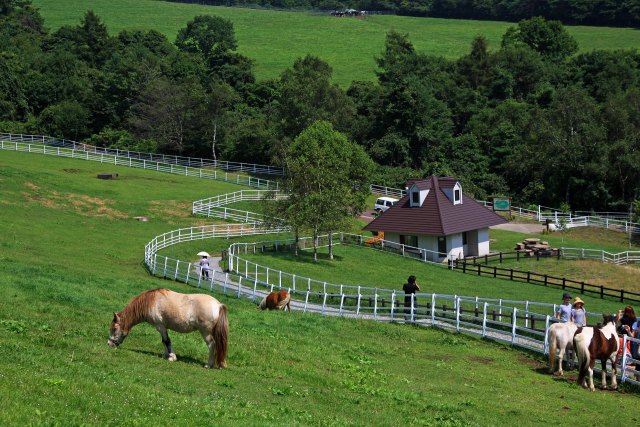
409,288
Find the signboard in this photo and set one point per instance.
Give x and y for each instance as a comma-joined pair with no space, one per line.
501,204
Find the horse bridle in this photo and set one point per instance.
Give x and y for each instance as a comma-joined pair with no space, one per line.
119,341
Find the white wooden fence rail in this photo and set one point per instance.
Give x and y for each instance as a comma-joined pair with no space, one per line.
142,164
162,158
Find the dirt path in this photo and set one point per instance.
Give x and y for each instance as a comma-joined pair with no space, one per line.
521,228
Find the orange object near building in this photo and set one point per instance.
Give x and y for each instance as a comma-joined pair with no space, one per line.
377,239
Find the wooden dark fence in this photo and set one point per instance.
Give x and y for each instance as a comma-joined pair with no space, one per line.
472,266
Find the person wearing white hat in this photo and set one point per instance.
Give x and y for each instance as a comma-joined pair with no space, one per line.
204,267
578,314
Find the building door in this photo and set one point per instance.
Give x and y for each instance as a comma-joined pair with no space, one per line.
442,245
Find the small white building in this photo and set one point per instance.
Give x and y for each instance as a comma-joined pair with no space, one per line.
437,216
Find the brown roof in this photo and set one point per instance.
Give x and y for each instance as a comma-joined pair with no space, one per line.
437,216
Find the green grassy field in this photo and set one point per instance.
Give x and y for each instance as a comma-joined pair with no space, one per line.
274,39
71,254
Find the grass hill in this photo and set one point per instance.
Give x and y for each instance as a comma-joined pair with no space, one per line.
274,39
70,255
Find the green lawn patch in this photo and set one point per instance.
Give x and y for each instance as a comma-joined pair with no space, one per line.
274,39
66,269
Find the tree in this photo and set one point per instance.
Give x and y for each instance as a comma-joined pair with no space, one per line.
549,38
207,35
622,119
90,40
307,95
327,183
67,119
213,39
173,115
565,149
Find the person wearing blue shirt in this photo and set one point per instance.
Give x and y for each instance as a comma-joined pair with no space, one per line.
564,311
578,314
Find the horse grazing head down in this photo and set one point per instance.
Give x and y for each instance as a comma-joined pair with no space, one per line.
165,309
116,332
276,301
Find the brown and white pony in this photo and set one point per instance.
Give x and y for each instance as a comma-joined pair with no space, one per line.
593,344
276,301
166,309
561,339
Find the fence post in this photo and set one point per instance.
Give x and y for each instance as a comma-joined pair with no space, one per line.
546,335
413,301
324,302
623,366
526,317
393,303
513,330
358,305
484,320
341,303
375,304
457,300
433,308
306,302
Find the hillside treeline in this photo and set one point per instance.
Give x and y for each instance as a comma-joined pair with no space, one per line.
578,12
531,119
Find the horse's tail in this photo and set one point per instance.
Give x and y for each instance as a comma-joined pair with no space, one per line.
553,347
285,302
581,348
221,337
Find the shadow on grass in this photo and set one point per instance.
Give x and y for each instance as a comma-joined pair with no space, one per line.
183,359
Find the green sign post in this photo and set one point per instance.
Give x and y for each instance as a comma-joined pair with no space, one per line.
501,204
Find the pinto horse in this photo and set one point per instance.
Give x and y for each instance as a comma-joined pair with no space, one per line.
593,344
276,301
561,339
166,309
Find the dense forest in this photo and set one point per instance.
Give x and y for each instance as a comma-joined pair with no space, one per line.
531,119
583,12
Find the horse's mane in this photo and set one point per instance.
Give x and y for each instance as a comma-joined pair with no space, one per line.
138,307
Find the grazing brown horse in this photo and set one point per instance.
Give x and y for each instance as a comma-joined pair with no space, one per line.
601,344
276,301
166,309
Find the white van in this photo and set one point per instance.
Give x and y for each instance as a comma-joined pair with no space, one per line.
384,203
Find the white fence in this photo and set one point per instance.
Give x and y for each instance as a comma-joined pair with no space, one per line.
627,257
215,207
387,191
520,323
141,164
601,222
627,360
161,158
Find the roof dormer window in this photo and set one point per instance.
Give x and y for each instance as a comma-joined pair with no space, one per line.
417,196
456,195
